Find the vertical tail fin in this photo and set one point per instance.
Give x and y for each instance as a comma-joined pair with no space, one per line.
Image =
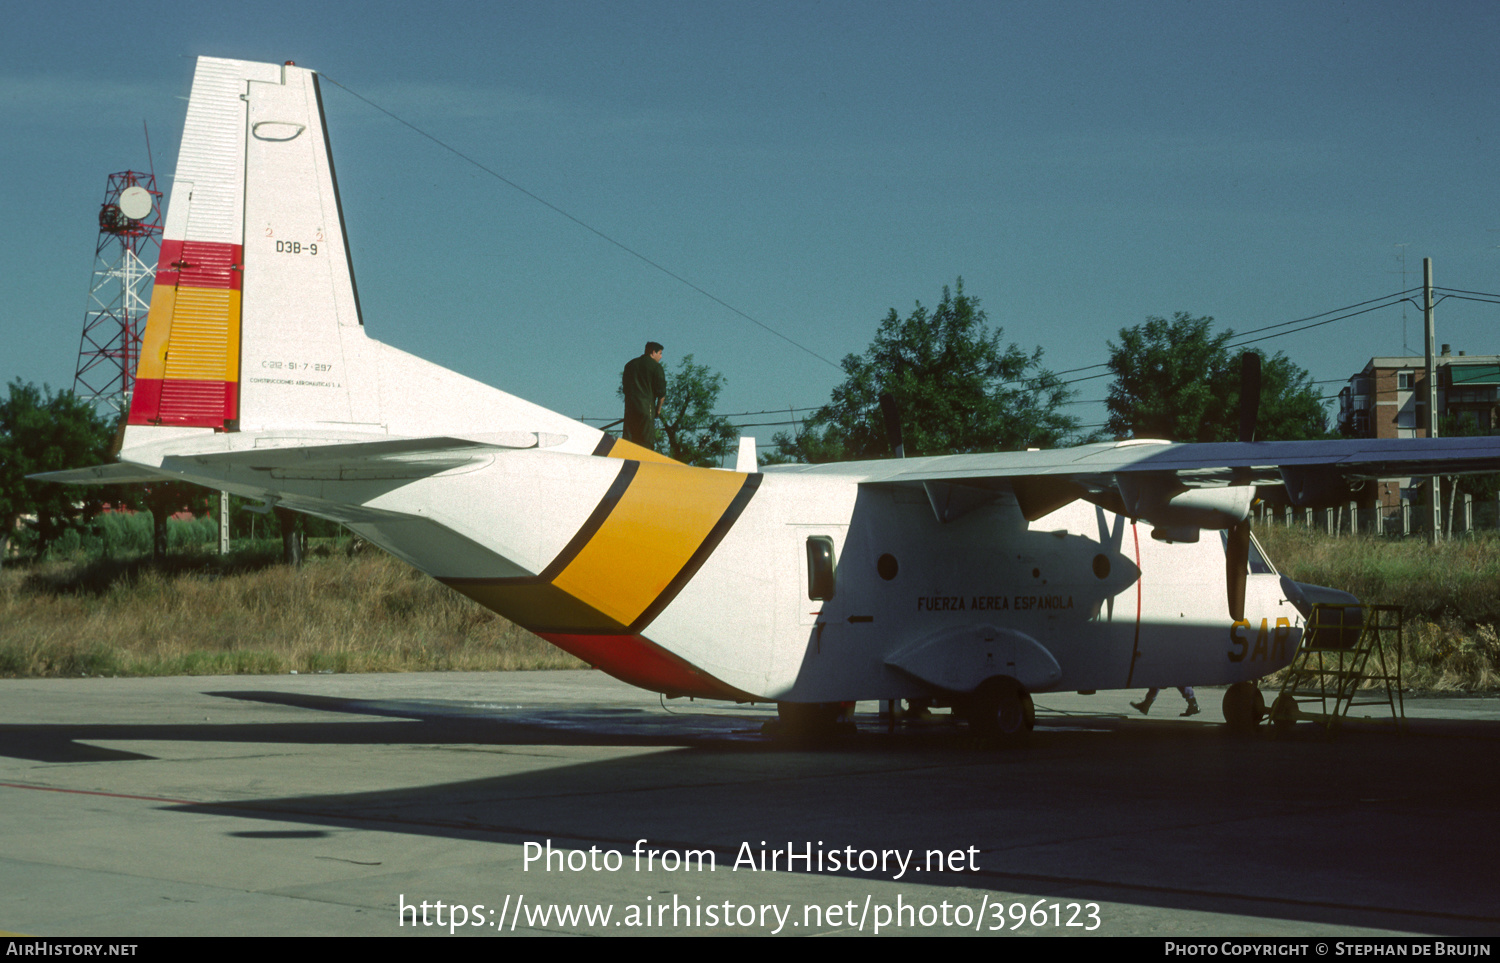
255,323
254,281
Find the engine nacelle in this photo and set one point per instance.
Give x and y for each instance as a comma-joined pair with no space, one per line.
1170,505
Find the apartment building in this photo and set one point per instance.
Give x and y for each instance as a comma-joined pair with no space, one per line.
1388,399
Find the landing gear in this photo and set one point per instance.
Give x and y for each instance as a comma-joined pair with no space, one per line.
1003,711
811,721
1244,706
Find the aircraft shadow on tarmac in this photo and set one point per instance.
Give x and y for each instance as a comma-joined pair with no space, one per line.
1368,830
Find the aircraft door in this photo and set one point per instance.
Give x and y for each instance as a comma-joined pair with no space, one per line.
817,549
810,591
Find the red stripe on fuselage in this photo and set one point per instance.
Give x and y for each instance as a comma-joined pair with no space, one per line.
643,663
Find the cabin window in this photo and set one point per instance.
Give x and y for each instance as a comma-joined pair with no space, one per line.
1259,564
820,568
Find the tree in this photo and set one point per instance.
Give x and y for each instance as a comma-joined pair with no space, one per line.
959,389
690,431
40,432
1180,381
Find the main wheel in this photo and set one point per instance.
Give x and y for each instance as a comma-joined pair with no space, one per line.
1244,706
1002,710
808,721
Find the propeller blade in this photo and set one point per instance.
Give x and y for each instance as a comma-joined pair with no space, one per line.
892,413
1249,394
1237,564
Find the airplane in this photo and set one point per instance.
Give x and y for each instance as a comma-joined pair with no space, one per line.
973,580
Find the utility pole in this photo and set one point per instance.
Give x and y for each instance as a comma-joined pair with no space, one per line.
1433,488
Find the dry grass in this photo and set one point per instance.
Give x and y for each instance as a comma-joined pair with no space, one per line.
1450,595
200,615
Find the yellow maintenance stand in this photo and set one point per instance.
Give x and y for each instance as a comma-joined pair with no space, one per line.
1343,647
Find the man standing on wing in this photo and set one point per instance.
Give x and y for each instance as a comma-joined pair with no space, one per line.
645,386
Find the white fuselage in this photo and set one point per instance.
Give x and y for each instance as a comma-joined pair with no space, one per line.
1112,606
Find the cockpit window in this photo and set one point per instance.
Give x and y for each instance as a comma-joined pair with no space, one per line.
1259,564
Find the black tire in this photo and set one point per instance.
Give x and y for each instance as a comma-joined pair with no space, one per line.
807,720
1002,711
1244,706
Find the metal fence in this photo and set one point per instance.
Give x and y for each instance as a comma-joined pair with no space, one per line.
1469,514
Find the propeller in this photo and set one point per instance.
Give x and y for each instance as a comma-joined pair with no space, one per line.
1237,549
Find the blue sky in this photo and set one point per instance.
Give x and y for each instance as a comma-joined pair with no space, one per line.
1080,165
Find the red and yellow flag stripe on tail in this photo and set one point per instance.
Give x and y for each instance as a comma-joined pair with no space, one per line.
648,536
189,369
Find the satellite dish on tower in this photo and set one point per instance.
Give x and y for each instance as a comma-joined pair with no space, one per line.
135,203
120,292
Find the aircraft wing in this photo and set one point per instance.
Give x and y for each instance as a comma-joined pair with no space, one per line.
1257,461
1145,478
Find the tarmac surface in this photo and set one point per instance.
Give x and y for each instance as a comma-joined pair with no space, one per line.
323,805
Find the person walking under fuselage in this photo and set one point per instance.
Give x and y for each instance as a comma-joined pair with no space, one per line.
1187,693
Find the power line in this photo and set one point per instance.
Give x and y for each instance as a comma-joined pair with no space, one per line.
1374,304
1483,294
1242,334
728,414
767,424
1318,324
1489,300
586,226
1380,302
1239,339
1310,317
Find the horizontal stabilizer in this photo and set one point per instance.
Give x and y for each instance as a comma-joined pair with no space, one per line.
120,473
394,458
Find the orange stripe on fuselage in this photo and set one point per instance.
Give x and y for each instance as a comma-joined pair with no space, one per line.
658,524
612,447
645,540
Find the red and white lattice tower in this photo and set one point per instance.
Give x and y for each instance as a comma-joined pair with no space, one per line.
120,292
